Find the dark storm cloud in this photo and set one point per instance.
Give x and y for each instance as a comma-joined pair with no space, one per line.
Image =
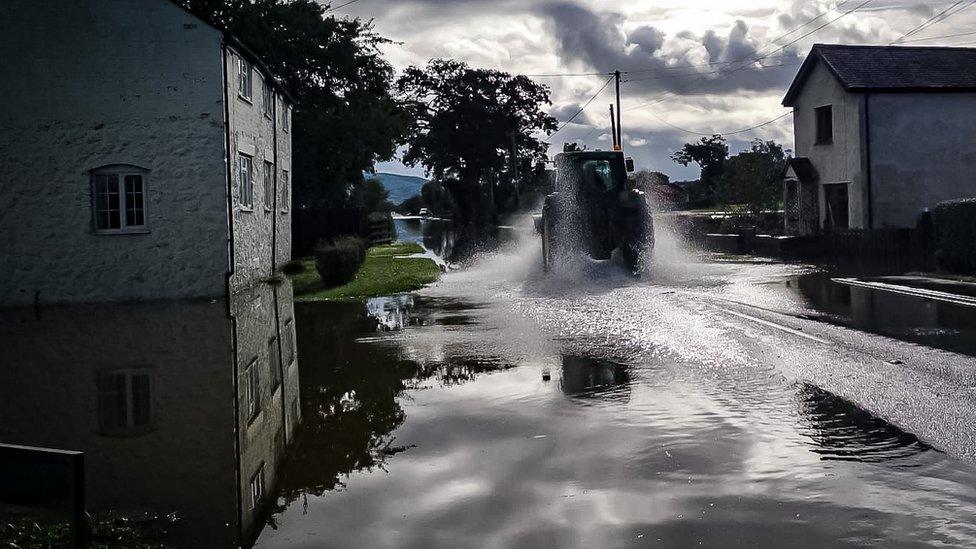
596,41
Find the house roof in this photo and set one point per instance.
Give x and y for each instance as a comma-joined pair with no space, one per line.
891,68
803,169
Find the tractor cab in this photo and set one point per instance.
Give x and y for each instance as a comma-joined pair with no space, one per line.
595,210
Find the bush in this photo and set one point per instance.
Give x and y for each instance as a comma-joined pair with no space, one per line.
338,260
955,233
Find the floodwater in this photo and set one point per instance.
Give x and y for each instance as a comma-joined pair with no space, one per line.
710,403
506,408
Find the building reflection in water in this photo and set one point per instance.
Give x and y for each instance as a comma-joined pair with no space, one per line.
182,407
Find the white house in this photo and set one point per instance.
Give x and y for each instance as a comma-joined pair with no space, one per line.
146,155
881,133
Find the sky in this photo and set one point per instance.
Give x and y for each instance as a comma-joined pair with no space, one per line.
691,67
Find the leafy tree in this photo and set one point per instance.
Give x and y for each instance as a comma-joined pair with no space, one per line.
370,195
753,178
437,199
463,123
345,118
710,154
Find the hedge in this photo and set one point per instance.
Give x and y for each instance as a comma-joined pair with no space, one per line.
338,260
955,235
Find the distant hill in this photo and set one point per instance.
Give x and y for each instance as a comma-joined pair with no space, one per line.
400,187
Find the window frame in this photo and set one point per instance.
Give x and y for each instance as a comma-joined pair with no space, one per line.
285,117
249,205
121,171
252,390
289,337
274,363
245,79
257,487
823,120
129,428
267,98
269,191
285,188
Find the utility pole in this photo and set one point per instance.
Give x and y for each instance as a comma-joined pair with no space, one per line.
620,134
613,128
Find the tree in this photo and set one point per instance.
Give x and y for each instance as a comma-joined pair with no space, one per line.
411,206
370,195
753,178
464,122
345,118
710,154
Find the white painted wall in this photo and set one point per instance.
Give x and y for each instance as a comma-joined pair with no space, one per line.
923,151
94,82
840,161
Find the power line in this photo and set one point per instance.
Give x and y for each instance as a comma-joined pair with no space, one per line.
341,5
941,16
567,74
938,37
587,104
731,132
764,67
747,61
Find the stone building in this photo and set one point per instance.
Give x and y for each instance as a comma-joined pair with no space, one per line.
146,206
881,133
147,155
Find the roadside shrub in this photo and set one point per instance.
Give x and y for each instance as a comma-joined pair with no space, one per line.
955,235
338,260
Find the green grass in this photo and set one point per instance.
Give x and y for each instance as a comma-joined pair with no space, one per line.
381,274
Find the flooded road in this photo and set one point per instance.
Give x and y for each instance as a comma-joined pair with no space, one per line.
707,404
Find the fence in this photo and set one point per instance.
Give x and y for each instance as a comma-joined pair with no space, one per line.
381,229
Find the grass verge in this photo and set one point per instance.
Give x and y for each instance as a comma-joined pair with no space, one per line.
381,274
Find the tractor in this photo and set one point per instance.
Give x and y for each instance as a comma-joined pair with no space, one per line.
595,209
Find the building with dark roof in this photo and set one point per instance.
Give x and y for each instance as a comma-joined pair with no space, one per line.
881,133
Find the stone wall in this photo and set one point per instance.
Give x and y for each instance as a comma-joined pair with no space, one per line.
97,82
259,135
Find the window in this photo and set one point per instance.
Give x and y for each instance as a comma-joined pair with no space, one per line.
119,196
285,196
243,78
274,360
245,183
289,349
268,185
285,117
267,96
257,487
825,125
252,389
125,402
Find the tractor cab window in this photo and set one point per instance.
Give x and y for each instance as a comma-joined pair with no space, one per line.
599,174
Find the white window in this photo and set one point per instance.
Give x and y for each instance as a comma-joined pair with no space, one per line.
289,349
268,185
125,402
244,78
285,195
257,487
285,117
267,96
274,360
119,199
245,183
252,389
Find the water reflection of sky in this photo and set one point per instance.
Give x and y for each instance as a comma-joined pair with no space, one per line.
608,454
